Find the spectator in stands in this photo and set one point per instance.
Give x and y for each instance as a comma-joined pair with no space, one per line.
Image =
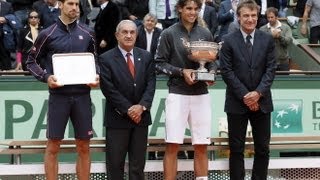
129,96
5,9
105,25
27,36
299,9
188,101
283,8
85,9
209,15
282,36
135,10
148,34
21,8
213,3
68,101
227,15
264,4
247,62
37,4
48,10
164,11
120,4
313,8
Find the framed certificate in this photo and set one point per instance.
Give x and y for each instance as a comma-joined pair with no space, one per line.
74,68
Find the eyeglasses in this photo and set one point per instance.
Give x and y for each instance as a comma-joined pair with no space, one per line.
33,17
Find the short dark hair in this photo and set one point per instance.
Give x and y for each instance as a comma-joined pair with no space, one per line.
251,4
272,10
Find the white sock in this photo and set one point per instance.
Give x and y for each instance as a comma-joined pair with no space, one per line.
202,178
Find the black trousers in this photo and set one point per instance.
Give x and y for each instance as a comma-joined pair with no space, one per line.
120,142
237,127
5,61
167,22
315,35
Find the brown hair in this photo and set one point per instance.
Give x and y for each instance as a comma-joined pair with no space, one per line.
272,10
251,4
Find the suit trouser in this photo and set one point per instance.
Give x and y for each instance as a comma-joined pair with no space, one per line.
5,61
237,127
120,142
167,22
315,35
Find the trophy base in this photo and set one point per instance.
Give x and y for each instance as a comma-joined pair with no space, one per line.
204,76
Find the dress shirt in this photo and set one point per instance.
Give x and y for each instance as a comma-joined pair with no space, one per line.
124,54
263,7
149,39
277,26
102,6
245,35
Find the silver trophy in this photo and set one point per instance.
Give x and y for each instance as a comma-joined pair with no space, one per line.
202,52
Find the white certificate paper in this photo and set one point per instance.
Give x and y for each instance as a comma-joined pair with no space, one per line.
74,68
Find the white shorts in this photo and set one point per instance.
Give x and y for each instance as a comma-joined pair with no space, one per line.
194,110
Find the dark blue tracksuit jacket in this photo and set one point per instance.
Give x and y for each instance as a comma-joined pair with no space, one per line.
60,38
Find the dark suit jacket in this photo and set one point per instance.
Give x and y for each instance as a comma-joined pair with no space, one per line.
138,8
225,17
141,41
105,26
243,75
210,17
25,43
122,91
270,3
6,8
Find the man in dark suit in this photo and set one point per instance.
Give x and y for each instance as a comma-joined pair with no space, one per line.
85,10
210,17
248,68
49,11
5,62
105,26
135,10
148,34
226,15
128,83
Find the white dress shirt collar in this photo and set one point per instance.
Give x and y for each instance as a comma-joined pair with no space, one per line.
278,25
124,53
244,35
102,6
149,39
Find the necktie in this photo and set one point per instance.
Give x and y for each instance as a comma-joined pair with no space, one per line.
168,11
249,45
130,64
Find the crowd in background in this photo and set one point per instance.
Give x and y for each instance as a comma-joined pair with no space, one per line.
21,21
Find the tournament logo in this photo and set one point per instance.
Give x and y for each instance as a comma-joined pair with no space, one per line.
287,116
